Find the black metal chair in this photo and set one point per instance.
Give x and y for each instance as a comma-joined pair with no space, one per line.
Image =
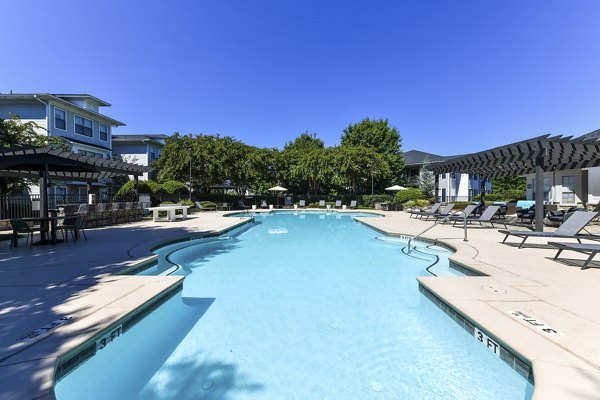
21,226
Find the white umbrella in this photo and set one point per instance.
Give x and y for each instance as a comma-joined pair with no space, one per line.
277,189
396,188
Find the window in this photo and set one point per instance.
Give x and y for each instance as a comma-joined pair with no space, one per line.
453,175
84,126
568,189
60,119
103,132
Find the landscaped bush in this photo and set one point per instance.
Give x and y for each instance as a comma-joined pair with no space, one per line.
416,203
174,187
409,194
206,203
127,191
367,199
187,202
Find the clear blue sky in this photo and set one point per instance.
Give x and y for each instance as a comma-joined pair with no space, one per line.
453,76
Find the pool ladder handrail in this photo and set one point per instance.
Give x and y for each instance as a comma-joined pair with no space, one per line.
446,218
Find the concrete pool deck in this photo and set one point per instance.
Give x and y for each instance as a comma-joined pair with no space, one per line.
43,284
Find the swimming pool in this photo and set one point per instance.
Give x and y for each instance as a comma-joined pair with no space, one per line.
298,305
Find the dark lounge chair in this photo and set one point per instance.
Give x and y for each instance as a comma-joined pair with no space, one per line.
569,229
459,215
586,248
444,213
491,215
420,213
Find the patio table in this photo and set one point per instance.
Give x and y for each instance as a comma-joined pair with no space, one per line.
171,211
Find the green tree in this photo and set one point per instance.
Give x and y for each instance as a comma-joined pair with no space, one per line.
354,165
426,179
15,133
382,138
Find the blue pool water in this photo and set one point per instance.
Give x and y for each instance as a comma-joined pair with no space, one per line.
296,306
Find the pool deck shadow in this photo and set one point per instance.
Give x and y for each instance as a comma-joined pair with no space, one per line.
42,284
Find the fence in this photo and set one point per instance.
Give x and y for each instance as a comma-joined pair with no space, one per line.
29,205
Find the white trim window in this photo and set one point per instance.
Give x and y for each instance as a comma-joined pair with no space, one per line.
60,119
103,129
84,126
568,189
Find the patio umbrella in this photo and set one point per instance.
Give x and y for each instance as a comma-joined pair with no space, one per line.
277,189
395,188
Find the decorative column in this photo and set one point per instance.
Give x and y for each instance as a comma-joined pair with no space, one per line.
539,194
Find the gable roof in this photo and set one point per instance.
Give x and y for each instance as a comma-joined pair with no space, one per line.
416,157
61,98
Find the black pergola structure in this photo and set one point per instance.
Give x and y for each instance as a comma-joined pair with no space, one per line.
537,155
46,163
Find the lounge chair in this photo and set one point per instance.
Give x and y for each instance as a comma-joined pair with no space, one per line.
353,204
489,216
302,204
288,203
569,229
338,204
263,204
200,207
322,204
420,213
585,248
459,215
444,213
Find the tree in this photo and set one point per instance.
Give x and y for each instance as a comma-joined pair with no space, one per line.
426,179
382,138
15,133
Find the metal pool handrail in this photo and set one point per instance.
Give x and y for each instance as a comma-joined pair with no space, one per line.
437,222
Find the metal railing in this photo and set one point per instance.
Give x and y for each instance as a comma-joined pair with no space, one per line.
438,221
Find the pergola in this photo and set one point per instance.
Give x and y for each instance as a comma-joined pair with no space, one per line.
537,155
46,164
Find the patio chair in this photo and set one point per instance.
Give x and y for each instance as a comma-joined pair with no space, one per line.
302,204
73,224
444,213
586,248
21,226
420,213
263,204
322,204
353,203
67,224
490,215
288,202
200,207
569,229
459,215
338,204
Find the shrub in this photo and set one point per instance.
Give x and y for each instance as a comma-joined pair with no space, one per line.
409,194
126,192
206,203
416,203
174,187
154,188
367,199
186,202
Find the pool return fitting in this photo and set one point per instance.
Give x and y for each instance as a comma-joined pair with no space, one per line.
438,221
